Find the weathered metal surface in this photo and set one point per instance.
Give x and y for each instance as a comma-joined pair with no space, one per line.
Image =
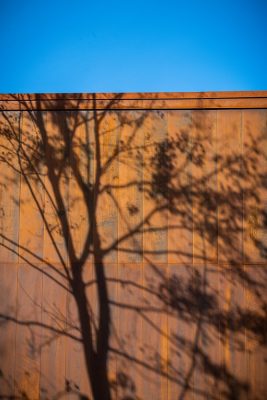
133,246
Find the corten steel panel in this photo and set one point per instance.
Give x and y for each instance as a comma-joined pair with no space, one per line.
133,245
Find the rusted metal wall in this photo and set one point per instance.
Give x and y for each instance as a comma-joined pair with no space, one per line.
133,246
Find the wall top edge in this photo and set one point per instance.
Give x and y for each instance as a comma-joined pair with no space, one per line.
133,95
161,100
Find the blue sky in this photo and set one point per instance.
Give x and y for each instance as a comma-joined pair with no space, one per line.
132,45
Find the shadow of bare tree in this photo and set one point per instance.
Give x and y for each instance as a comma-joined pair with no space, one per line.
133,252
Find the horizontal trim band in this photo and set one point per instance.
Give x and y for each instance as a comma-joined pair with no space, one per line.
122,101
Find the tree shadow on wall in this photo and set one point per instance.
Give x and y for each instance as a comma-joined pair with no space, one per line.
133,245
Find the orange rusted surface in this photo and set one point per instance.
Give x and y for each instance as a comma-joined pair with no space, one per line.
133,245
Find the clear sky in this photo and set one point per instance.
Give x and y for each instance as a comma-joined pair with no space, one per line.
132,45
